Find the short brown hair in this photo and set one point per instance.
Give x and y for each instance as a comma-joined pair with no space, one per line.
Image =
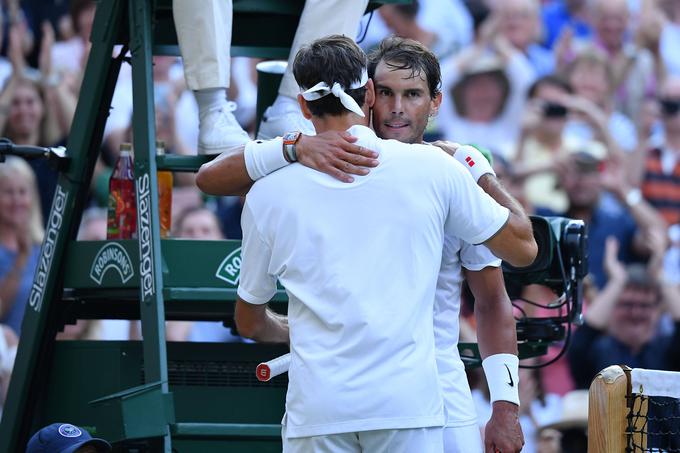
335,58
403,53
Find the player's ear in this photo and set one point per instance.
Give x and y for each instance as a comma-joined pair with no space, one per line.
304,107
435,103
369,100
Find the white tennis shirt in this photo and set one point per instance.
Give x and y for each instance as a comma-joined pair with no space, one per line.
458,402
360,263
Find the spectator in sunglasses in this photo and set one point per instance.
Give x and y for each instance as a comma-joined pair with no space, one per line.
659,166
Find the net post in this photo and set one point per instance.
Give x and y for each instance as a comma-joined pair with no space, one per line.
607,409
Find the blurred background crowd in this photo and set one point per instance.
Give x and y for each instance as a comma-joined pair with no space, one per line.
579,101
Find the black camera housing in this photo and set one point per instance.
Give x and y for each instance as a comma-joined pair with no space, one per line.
561,264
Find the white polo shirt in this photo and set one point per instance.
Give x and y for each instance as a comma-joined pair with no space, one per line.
360,263
458,402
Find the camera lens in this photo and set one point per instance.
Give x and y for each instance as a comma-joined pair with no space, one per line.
554,110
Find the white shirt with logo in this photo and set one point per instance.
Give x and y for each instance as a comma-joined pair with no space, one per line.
360,263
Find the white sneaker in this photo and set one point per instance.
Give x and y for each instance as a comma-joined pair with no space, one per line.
218,131
290,119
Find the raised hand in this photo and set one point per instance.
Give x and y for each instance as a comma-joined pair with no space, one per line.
336,154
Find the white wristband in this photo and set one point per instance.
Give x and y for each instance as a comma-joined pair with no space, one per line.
474,161
502,375
264,157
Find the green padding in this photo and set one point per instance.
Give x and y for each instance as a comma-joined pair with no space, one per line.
485,152
225,430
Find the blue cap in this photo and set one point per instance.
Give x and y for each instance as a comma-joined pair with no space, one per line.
64,438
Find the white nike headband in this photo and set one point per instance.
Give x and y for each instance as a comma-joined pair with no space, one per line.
322,89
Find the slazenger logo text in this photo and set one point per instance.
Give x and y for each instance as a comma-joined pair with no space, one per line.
145,244
114,256
35,299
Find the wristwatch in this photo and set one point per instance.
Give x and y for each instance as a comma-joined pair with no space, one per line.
289,141
633,197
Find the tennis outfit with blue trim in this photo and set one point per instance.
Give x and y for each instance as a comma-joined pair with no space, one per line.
360,264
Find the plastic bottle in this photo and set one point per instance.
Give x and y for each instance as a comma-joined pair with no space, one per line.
122,211
164,194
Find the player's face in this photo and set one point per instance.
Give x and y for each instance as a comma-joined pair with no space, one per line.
402,104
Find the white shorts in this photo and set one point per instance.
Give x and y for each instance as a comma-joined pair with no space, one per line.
421,440
463,439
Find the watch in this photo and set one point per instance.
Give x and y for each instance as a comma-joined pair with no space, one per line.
633,197
289,141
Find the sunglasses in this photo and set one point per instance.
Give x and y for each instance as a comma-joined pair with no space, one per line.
670,107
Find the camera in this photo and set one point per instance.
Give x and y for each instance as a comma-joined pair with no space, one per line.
561,264
554,110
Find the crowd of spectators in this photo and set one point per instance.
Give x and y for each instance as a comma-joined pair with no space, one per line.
578,100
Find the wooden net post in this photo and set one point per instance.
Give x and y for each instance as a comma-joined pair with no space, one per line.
607,409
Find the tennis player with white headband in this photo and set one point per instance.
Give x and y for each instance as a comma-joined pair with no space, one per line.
360,263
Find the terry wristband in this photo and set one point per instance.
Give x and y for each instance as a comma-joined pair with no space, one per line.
474,161
502,375
264,157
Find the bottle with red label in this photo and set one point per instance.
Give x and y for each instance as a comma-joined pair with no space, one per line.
122,211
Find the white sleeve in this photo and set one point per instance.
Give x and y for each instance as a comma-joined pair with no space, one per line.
473,215
256,284
477,257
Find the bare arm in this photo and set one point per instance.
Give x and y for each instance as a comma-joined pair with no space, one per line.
648,220
514,242
225,175
493,311
496,335
602,306
331,152
259,323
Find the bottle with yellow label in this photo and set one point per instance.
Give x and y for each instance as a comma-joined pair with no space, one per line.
164,194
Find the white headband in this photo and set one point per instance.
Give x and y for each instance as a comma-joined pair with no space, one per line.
322,89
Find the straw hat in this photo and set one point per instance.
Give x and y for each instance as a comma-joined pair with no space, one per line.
488,63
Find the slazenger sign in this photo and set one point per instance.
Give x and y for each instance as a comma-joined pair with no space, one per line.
144,229
230,268
111,256
35,299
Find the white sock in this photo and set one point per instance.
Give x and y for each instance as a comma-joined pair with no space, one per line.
284,104
210,99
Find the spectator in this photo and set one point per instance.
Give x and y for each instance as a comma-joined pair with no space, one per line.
569,434
621,322
21,232
627,217
591,76
544,145
65,438
403,21
520,24
37,114
565,18
487,84
658,170
635,65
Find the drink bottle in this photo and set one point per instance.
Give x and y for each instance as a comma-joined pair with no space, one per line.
164,194
122,209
